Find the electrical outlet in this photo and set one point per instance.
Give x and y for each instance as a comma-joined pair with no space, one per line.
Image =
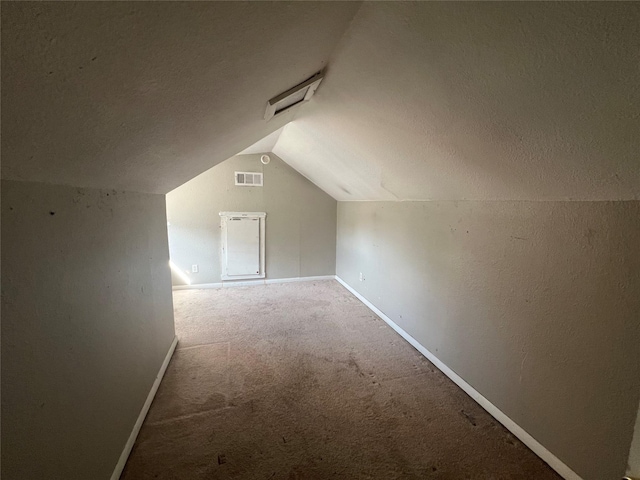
194,268
361,277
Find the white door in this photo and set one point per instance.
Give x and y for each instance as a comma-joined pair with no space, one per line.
243,246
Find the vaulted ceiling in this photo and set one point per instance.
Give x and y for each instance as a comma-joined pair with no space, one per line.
421,100
480,101
144,96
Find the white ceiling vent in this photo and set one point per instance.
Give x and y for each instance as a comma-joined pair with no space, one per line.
248,179
292,97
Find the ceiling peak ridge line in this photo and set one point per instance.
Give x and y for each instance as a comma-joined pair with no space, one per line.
275,145
265,144
339,44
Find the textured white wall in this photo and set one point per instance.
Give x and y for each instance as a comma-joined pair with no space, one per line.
300,223
477,100
87,320
534,304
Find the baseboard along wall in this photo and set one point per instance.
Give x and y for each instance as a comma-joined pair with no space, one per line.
246,283
554,462
124,456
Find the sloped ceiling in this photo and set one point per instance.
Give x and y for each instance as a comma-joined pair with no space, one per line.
144,96
422,100
266,144
480,101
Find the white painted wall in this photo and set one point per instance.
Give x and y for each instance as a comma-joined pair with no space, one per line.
534,304
300,222
87,320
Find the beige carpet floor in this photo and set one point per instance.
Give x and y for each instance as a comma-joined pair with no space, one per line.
302,381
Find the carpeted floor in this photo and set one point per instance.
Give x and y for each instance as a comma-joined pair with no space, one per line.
302,381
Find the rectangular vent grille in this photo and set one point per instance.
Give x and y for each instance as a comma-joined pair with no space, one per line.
248,179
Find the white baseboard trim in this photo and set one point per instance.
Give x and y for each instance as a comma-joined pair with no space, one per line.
300,279
563,470
246,283
197,286
124,456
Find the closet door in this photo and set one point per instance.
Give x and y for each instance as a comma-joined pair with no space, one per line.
242,245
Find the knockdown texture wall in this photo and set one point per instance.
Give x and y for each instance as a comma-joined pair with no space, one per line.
87,320
534,304
300,223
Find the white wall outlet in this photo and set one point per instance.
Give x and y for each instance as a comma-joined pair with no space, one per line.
194,268
361,277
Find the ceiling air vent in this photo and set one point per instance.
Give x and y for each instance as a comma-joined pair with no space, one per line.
292,97
248,179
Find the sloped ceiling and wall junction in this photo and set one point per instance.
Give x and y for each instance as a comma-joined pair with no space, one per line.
421,101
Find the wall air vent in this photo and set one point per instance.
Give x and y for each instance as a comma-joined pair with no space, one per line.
248,179
292,97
